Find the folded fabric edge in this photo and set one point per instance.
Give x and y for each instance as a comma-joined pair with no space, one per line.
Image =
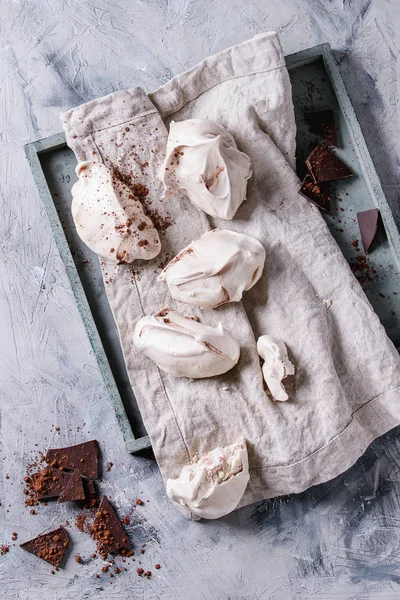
262,53
109,111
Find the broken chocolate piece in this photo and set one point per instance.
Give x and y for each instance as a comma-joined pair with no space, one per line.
91,496
50,546
320,194
49,483
368,224
84,457
324,165
322,123
107,530
73,491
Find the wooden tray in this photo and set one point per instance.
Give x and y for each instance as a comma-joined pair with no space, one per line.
317,85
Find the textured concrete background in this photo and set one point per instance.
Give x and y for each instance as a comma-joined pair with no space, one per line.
339,540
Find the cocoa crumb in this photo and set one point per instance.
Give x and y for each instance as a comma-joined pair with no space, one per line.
78,559
139,502
109,467
140,571
80,522
158,566
140,191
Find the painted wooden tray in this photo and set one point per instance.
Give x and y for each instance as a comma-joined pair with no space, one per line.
317,85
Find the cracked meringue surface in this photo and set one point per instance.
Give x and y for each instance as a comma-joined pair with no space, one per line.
215,269
276,365
108,217
213,485
203,160
183,347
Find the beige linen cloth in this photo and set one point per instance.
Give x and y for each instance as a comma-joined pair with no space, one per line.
347,386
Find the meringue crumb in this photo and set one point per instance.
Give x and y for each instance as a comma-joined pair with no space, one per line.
328,303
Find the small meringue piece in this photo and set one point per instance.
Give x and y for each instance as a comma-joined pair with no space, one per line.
277,365
216,268
108,217
203,161
184,347
213,486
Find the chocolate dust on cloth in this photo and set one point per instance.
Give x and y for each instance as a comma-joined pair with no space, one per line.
347,385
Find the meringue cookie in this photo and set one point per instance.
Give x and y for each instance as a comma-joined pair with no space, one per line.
277,365
203,160
213,486
109,219
215,269
185,348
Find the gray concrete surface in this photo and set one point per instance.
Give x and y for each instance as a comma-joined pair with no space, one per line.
337,541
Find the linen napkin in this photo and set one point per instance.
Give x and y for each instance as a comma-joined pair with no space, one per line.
347,385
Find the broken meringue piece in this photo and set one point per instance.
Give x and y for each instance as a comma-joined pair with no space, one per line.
216,268
203,160
213,486
276,365
108,217
183,347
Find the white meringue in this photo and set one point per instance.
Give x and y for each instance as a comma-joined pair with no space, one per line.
185,348
277,365
108,217
203,160
215,269
213,486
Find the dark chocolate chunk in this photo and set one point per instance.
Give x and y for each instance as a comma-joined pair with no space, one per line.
322,123
107,530
368,224
50,546
324,165
84,457
320,194
49,483
91,496
73,491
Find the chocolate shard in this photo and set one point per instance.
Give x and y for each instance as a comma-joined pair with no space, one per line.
73,491
320,194
368,225
84,457
107,530
322,123
91,496
49,483
50,546
324,165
